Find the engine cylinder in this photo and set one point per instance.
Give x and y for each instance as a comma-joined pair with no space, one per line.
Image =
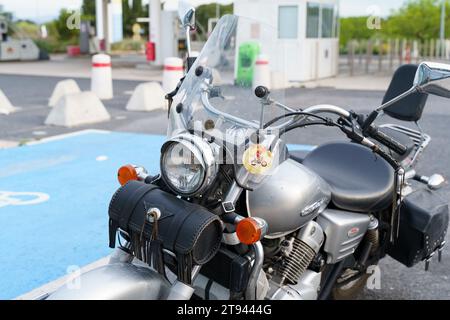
297,261
304,248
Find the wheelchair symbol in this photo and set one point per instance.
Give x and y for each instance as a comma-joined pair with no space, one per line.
8,198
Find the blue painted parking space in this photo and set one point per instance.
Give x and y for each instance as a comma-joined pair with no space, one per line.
54,200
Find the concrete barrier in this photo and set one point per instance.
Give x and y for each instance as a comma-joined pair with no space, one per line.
147,97
63,88
5,105
261,75
78,109
173,72
101,82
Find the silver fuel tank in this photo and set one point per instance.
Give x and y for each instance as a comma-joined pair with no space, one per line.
289,198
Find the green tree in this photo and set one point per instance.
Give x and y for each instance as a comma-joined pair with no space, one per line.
28,28
355,28
417,19
64,33
127,23
88,9
138,9
131,14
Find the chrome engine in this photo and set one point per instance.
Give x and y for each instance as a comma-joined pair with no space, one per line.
285,275
292,281
301,252
306,288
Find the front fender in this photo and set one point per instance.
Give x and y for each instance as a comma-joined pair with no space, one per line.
116,281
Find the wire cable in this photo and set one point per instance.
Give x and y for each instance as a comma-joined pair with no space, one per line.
291,114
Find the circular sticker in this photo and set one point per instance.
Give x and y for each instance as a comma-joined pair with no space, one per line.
257,159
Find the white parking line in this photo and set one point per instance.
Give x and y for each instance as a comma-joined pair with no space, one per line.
68,135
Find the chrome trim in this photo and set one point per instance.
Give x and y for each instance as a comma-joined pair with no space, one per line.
195,272
251,291
312,234
306,288
283,106
420,139
206,154
180,291
396,99
328,108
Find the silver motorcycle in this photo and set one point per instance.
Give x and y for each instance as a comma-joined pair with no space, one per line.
237,214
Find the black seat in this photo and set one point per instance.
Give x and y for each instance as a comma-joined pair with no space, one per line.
360,181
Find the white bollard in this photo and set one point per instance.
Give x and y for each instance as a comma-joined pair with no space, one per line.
173,72
101,82
261,75
63,88
147,97
78,109
5,105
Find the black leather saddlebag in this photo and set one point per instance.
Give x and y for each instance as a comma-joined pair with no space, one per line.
190,232
423,225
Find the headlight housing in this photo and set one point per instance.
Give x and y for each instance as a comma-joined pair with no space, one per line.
188,165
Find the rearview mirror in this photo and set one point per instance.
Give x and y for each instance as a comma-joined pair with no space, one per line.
186,13
433,78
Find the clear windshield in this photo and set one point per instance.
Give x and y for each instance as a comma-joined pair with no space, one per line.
240,55
218,94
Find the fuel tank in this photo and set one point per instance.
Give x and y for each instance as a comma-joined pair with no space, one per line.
289,198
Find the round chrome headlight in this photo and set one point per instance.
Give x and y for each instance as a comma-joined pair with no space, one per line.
188,165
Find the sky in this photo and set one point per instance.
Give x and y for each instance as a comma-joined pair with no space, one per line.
44,10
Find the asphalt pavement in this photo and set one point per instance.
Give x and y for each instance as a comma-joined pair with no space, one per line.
31,94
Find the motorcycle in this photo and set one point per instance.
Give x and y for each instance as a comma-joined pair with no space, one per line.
235,215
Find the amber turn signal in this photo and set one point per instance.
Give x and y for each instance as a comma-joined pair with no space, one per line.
248,231
127,173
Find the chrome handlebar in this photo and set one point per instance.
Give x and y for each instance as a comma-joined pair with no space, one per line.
328,108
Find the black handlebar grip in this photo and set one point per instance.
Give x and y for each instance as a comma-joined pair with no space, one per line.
261,92
394,163
388,141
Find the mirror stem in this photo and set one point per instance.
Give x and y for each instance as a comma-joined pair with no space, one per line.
188,41
398,98
374,115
